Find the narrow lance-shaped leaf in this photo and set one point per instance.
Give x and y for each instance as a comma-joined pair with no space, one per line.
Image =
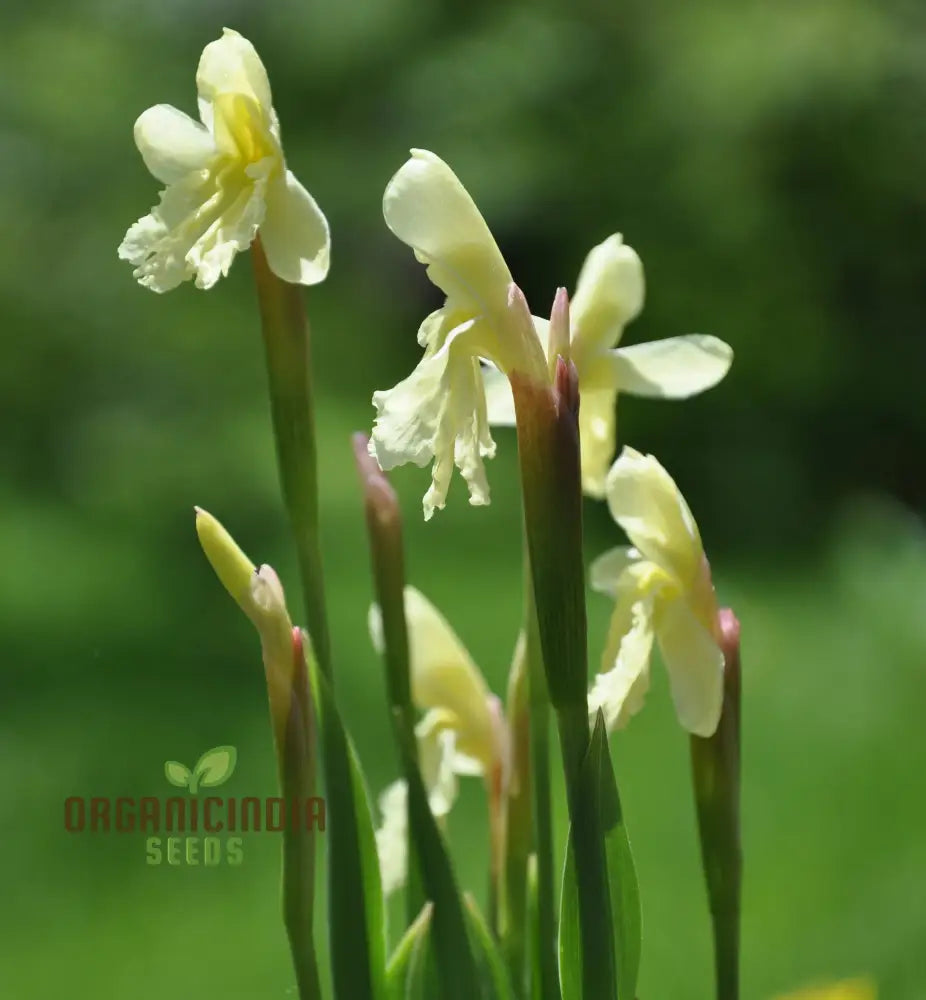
403,960
495,979
621,876
355,897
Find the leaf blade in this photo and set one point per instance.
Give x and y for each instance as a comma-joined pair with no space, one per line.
355,897
623,887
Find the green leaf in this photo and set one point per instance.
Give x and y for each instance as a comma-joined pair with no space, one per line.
622,882
177,774
215,766
355,895
406,958
570,943
496,984
456,967
420,974
535,958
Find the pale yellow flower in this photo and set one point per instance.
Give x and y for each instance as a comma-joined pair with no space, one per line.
461,733
609,294
438,414
848,989
663,592
226,180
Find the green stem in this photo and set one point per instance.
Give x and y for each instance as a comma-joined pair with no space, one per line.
387,552
715,768
542,800
297,780
518,824
548,449
289,368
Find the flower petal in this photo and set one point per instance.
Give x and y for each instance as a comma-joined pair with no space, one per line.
646,503
609,294
436,754
444,676
499,400
427,207
606,573
672,369
439,413
198,227
231,65
172,144
392,837
620,689
695,665
294,233
849,989
598,438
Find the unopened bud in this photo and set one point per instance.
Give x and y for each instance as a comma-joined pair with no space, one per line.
559,329
231,565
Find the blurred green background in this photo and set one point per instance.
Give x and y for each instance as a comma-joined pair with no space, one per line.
767,160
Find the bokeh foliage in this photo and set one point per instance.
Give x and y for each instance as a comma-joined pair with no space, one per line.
767,162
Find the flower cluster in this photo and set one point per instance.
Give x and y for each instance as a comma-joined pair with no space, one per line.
486,361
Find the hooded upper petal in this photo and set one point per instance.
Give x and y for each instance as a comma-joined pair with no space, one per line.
646,503
427,207
231,65
674,368
444,678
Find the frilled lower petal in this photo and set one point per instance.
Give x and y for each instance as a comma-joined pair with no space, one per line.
196,230
438,414
392,837
295,234
436,757
172,144
695,665
675,368
620,689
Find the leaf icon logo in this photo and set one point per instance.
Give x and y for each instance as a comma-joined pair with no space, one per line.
213,768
